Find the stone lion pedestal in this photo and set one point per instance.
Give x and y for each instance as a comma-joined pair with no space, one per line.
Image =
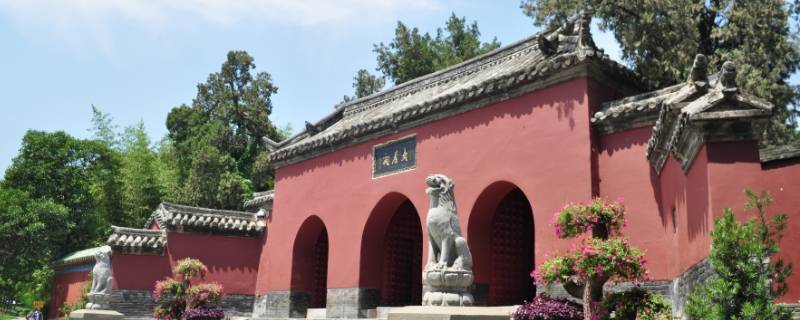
449,313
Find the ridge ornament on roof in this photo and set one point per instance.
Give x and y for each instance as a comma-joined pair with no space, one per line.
182,218
502,74
697,112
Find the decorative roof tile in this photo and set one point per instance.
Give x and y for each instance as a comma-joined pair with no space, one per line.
498,75
137,241
182,218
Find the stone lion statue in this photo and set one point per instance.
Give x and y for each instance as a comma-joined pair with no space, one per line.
448,248
102,281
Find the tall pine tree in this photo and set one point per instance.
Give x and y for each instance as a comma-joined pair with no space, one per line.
659,38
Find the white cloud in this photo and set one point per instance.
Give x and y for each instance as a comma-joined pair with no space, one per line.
157,12
83,25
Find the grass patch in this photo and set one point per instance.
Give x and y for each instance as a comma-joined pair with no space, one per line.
6,316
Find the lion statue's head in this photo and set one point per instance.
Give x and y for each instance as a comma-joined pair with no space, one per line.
441,187
102,257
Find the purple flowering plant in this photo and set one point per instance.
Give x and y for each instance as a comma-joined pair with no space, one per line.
545,308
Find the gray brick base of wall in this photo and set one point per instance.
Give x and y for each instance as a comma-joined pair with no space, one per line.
345,303
132,303
139,304
281,304
351,302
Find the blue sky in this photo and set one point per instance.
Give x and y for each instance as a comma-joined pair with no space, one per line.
138,59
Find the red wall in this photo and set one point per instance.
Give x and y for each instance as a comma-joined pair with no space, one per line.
67,287
539,142
782,180
231,261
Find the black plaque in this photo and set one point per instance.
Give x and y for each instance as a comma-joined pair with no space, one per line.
394,156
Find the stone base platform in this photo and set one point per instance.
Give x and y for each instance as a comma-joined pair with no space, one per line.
450,313
96,315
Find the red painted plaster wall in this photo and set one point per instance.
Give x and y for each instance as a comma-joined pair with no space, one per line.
231,261
67,288
539,142
782,180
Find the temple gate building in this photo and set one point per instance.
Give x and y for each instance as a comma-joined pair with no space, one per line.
522,130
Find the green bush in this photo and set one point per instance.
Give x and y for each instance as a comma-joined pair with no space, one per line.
748,275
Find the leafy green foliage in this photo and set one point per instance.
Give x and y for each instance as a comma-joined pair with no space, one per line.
216,142
660,39
77,174
365,84
748,275
141,191
412,54
137,174
32,231
637,304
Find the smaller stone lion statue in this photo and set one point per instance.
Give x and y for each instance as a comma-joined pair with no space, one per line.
102,281
448,248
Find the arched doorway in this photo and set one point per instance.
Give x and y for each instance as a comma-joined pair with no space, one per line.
310,263
501,238
391,259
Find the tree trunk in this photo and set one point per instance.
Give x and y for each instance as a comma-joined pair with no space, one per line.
587,301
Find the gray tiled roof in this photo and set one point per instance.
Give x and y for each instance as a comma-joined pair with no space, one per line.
502,74
775,153
260,199
177,217
137,241
686,115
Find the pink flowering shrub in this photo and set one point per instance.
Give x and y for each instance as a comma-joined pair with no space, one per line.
177,298
189,268
602,256
594,258
205,295
599,216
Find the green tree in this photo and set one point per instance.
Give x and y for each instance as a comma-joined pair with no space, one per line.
412,54
216,141
141,191
103,128
137,173
660,39
31,235
748,275
80,175
365,84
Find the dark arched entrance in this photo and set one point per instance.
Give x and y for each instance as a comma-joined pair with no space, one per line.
310,263
401,283
501,238
391,252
